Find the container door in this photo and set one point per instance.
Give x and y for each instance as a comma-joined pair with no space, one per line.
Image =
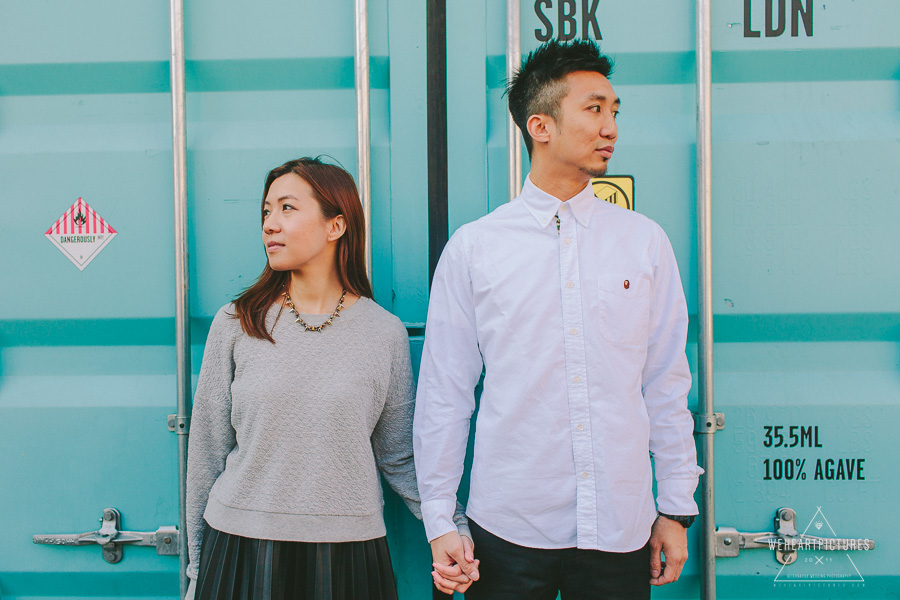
87,371
807,295
805,131
272,81
87,378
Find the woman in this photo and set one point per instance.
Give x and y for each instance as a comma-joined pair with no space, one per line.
305,394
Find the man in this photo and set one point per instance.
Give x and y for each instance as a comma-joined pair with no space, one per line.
575,309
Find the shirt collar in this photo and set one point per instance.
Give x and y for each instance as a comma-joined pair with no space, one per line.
543,206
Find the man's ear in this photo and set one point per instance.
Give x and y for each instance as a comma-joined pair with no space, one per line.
539,128
338,227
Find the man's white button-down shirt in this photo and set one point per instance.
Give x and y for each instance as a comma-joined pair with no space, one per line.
580,327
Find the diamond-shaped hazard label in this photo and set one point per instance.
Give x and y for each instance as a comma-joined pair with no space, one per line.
80,234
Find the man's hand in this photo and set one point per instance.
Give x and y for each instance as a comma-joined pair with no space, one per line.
670,538
455,567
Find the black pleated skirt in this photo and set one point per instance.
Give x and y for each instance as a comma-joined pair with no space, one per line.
238,568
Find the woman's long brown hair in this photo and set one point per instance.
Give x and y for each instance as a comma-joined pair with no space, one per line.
334,190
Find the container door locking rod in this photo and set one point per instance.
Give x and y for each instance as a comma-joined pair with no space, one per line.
110,539
785,541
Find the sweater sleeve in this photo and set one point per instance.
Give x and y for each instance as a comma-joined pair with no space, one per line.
392,438
212,436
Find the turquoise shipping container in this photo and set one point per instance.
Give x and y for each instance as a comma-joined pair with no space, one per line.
805,214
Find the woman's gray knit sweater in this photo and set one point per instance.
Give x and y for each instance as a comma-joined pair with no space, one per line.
285,437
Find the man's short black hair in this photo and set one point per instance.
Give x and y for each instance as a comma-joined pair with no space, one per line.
538,87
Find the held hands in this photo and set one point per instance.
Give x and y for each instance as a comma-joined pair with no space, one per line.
455,566
670,538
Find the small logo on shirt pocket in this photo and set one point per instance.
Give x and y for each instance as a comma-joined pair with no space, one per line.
624,308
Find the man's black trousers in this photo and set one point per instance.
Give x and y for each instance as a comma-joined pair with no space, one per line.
511,572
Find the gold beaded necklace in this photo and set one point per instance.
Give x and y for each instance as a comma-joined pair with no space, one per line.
328,321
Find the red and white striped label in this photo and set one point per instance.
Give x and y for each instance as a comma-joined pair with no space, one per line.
80,234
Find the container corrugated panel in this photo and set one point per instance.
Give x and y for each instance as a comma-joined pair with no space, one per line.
806,143
88,360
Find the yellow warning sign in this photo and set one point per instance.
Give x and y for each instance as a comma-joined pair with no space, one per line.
615,189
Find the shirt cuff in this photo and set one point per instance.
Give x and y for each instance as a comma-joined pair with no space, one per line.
437,515
676,497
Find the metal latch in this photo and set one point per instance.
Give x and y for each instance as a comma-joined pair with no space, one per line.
784,542
704,423
179,425
111,539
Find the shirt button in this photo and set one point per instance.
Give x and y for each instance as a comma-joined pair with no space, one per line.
573,331
568,241
580,427
584,475
569,284
576,379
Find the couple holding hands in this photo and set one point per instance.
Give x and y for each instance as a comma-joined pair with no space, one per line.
573,309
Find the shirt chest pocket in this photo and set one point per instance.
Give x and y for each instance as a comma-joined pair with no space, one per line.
624,303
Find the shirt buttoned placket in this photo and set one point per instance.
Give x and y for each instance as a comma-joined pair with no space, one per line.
576,379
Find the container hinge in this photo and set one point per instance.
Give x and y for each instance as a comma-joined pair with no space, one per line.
708,423
111,540
179,425
785,541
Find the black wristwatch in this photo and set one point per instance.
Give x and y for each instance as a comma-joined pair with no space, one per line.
683,520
